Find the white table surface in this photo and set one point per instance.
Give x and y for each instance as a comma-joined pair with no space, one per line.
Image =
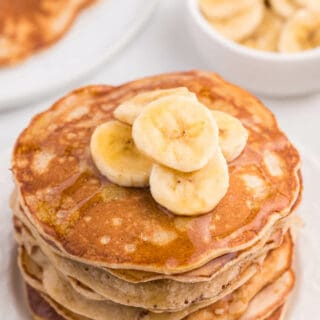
164,46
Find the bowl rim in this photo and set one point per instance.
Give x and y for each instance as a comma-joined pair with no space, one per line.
202,22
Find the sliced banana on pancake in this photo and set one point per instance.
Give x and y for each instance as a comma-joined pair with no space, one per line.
233,136
219,9
285,8
178,132
301,32
240,25
190,193
129,110
116,156
266,36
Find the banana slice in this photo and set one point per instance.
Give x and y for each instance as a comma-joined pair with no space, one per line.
285,8
266,36
116,156
301,32
312,4
242,24
220,9
129,110
190,193
233,136
177,132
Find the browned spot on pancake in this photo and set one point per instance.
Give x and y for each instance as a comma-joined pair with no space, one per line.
79,206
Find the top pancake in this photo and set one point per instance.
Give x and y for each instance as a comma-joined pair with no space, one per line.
94,221
29,25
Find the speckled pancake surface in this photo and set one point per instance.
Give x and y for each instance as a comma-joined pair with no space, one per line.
94,221
29,25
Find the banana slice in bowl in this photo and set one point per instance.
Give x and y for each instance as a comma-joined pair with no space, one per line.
312,4
129,110
116,156
178,132
285,8
220,9
266,36
191,193
242,24
268,73
301,32
233,136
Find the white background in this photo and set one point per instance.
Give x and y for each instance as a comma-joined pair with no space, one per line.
165,46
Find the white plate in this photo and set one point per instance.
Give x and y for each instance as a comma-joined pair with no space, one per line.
304,302
97,34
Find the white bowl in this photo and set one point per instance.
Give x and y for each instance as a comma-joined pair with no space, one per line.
272,74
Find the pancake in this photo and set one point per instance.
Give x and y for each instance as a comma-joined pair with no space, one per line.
157,296
161,295
54,285
208,271
214,267
264,293
278,314
205,273
72,205
42,310
257,298
271,297
26,26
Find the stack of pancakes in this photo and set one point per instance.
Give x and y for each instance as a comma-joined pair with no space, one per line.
89,249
